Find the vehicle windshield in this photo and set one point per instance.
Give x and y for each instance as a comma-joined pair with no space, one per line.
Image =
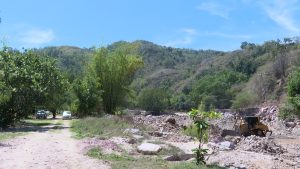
66,112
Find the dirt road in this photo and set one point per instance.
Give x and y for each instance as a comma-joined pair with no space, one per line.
46,149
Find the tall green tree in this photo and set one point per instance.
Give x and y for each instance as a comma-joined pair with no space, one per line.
114,72
27,81
88,95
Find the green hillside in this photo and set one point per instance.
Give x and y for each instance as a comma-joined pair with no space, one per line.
241,78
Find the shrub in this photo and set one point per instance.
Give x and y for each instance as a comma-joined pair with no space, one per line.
155,100
244,99
287,110
292,106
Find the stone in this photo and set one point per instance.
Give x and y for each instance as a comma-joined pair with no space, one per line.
226,145
137,136
171,120
132,141
290,124
132,131
149,148
157,134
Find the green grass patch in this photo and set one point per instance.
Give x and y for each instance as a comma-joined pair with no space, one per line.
190,131
192,165
10,135
97,153
100,127
146,162
171,150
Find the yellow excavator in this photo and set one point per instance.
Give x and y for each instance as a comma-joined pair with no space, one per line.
251,125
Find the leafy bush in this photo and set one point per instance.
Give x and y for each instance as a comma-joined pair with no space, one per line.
155,100
292,105
88,96
286,111
182,102
244,99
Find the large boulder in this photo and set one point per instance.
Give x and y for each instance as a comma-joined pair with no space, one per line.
149,148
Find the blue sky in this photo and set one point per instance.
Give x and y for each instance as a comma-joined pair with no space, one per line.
202,24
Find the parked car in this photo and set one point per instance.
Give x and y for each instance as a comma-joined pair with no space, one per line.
41,114
66,115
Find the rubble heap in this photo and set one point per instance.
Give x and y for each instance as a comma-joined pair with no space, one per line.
260,145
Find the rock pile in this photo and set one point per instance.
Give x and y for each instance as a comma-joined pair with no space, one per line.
168,127
260,145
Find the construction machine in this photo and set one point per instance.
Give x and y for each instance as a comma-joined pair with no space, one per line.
251,125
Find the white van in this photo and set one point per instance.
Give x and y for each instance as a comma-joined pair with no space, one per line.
66,115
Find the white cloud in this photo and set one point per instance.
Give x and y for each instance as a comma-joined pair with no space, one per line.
189,31
36,37
188,35
215,8
282,11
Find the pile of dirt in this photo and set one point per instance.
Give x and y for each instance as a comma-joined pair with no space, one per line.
260,145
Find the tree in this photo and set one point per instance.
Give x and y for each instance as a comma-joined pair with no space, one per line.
88,95
114,71
57,87
155,100
27,81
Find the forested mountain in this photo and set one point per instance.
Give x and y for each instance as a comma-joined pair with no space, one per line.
70,59
241,78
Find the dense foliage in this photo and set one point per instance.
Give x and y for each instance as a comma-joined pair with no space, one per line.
292,106
216,89
88,96
114,72
155,100
27,81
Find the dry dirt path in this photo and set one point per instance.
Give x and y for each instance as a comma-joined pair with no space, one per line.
46,149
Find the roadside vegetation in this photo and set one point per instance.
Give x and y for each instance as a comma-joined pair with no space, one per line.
99,127
9,135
